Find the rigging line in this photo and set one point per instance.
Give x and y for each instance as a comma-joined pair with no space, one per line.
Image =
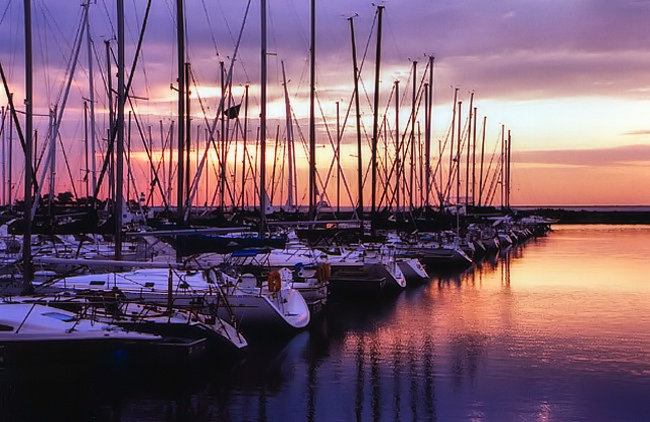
71,65
493,185
383,166
303,143
67,166
329,172
359,79
53,22
232,38
156,180
363,60
42,47
487,172
494,153
102,67
412,115
113,130
56,123
199,170
110,21
439,164
143,67
207,17
4,13
17,126
194,186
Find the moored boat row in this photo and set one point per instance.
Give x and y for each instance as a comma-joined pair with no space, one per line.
220,301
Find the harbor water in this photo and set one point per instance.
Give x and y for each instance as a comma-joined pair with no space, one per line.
557,329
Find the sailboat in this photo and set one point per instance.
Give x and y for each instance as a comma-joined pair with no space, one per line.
231,296
30,331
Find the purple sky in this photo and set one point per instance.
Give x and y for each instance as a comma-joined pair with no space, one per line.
569,75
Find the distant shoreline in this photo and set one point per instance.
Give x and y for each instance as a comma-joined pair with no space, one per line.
591,214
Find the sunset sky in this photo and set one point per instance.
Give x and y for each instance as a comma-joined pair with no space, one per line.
570,79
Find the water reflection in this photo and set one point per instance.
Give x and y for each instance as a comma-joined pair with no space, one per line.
558,329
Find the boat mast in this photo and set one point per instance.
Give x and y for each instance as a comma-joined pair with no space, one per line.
451,147
27,236
52,153
109,83
287,111
245,149
188,143
121,97
312,121
398,151
474,160
469,142
358,116
4,157
91,98
460,104
223,138
338,158
180,171
11,147
87,178
375,110
480,182
412,159
502,163
427,135
509,146
263,121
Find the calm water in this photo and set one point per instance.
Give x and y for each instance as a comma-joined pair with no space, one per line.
556,330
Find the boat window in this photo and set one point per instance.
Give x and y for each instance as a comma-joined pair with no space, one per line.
97,283
6,327
149,284
59,316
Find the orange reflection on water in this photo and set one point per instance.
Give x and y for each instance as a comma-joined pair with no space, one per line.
578,299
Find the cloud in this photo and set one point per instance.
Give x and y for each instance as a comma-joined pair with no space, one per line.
623,155
508,49
638,132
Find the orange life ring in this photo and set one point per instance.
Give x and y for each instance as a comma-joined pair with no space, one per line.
274,281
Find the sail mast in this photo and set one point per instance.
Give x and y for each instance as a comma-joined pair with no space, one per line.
180,170
474,160
480,181
121,97
398,151
222,121
338,158
287,110
509,145
91,98
263,121
358,117
245,149
52,153
4,158
469,142
427,136
375,111
451,148
188,141
27,236
460,104
412,158
312,121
